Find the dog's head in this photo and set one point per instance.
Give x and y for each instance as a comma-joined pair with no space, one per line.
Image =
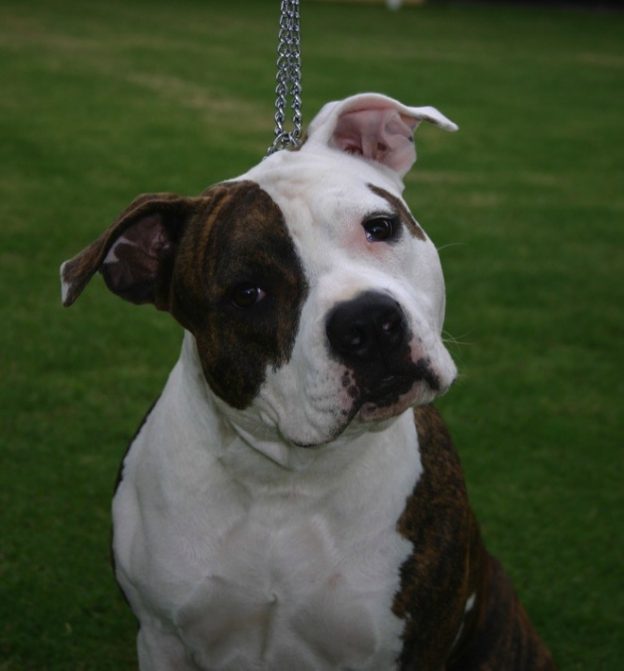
315,299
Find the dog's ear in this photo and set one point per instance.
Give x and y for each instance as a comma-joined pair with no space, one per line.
375,127
135,255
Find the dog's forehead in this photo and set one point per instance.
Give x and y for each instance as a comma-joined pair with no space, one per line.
319,193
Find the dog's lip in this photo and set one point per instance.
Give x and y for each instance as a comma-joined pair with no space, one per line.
387,389
396,381
395,392
392,380
372,411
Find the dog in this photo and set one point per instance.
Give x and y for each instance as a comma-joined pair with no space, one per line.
293,501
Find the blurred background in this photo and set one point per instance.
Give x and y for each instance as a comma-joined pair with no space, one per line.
102,101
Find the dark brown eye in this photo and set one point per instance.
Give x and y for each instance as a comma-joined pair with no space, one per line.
380,229
246,295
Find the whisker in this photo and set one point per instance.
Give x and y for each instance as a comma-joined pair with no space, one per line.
452,244
449,338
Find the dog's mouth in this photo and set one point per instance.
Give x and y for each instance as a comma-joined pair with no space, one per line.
380,395
386,397
392,393
387,390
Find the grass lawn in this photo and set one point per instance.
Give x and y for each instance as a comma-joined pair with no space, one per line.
102,101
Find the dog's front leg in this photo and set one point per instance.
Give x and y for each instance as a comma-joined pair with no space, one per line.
161,651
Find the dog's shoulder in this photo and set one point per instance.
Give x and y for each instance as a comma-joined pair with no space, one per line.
432,430
437,510
439,577
442,471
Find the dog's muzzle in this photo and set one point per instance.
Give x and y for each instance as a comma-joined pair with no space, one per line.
369,334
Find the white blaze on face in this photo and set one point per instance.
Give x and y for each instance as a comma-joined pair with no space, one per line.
325,198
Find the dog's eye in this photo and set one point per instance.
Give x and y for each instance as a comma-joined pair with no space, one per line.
380,229
246,295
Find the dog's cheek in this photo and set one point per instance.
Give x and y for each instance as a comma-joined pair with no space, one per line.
430,281
234,369
306,403
447,370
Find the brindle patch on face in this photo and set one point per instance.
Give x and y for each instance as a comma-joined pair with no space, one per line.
399,207
238,237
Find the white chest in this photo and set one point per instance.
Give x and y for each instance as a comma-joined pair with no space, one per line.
301,576
295,596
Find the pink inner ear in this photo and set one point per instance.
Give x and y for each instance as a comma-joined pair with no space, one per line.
378,134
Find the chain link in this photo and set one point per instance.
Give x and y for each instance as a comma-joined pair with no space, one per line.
288,78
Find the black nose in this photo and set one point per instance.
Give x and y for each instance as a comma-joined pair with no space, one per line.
368,328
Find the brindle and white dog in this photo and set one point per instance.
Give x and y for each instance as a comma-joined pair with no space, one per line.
283,506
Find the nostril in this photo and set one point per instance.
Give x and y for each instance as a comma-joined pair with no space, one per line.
354,340
391,323
391,327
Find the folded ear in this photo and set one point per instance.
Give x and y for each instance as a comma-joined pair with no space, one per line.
135,255
375,127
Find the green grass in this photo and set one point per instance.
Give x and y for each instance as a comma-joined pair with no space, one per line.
102,101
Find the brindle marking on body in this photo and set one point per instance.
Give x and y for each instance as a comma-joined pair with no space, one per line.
399,207
439,576
449,565
499,634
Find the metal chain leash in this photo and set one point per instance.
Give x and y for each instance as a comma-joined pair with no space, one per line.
288,78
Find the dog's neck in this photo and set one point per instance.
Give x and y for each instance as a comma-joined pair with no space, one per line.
252,447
